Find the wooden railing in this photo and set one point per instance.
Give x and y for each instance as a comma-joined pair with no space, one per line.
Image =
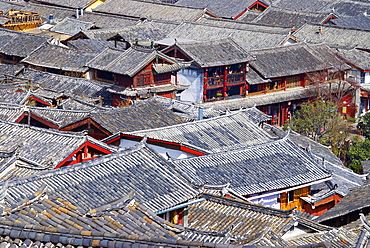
214,82
235,78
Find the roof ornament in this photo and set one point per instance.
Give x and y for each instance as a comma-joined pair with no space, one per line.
4,192
169,158
365,223
225,189
287,133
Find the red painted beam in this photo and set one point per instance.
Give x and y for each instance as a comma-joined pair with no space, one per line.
39,100
88,144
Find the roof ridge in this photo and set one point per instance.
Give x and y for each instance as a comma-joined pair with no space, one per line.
44,130
189,123
242,22
83,165
285,138
215,198
169,4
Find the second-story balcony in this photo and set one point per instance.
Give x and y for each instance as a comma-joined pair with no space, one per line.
236,78
215,82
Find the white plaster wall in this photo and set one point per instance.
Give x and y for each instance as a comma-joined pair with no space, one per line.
89,74
367,78
268,201
354,74
193,78
160,150
294,232
289,42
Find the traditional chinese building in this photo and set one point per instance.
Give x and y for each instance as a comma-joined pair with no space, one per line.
139,71
19,20
218,72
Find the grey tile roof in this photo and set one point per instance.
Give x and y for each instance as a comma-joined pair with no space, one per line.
218,134
152,115
122,217
14,94
366,166
57,57
67,3
37,238
71,26
260,100
188,110
150,10
9,70
11,112
360,21
340,7
358,58
340,238
15,167
356,199
72,103
221,8
19,43
308,6
351,8
147,32
247,39
42,146
254,78
341,176
216,52
59,14
93,45
218,22
334,36
7,5
239,221
275,165
128,62
109,21
290,18
144,92
4,19
249,16
103,180
236,219
63,84
293,60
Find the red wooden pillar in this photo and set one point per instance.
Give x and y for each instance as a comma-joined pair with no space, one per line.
284,84
86,150
205,84
303,81
225,82
79,157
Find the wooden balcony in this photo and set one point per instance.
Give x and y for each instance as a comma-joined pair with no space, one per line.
234,79
215,82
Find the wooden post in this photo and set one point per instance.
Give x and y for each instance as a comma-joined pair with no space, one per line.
225,81
205,76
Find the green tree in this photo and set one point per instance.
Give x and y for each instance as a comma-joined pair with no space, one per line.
357,150
321,121
364,125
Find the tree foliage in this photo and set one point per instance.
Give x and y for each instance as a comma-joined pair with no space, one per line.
364,125
357,150
321,121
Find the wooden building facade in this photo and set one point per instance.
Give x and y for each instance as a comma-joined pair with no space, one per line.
140,72
218,72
